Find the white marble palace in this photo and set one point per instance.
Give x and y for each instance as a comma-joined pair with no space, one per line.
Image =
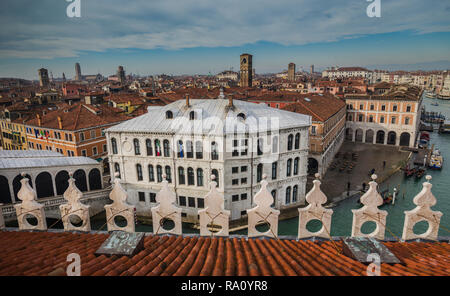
191,140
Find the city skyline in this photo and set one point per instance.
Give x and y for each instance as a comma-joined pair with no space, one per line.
162,37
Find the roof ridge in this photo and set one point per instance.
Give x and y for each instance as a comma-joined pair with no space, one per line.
309,109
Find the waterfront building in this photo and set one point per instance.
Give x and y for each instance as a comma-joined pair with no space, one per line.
191,140
391,118
73,130
347,72
246,66
327,131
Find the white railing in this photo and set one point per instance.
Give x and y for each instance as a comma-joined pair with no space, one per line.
214,219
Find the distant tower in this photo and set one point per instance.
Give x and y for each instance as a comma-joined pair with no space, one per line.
312,69
291,72
78,72
121,74
246,70
64,77
43,77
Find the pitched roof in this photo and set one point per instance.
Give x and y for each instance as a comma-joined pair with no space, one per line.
79,116
41,253
321,108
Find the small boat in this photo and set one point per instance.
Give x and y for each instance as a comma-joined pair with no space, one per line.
430,95
436,160
387,200
419,173
434,104
409,172
425,136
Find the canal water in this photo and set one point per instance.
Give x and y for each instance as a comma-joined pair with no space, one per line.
407,188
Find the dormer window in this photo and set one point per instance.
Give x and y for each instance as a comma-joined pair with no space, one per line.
192,115
241,116
169,115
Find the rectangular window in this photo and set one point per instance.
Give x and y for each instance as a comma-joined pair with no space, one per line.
235,197
408,108
393,120
243,169
243,213
191,202
83,152
313,130
200,203
235,182
383,107
152,197
243,180
243,196
235,170
94,151
93,134
105,148
182,201
141,196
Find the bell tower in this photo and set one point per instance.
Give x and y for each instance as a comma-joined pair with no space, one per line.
246,70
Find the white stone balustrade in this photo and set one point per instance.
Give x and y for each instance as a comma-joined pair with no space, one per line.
74,209
315,211
29,208
424,201
370,212
119,207
263,212
166,211
214,214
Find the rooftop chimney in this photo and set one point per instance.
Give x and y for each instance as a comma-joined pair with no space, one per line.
187,100
39,119
60,122
230,100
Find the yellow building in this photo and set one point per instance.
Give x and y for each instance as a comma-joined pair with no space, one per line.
128,103
14,135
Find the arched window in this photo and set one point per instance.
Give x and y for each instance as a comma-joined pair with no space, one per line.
216,174
294,193
114,145
159,173
275,144
191,177
189,149
61,182
137,149
296,160
169,114
191,115
274,170
148,145
168,174
297,141
166,148
117,168
180,149
199,177
241,116
289,145
214,151
44,185
157,147
288,167
199,150
139,172
181,176
151,173
288,195
259,171
95,180
260,144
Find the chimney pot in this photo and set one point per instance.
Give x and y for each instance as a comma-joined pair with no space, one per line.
60,122
230,100
39,119
187,100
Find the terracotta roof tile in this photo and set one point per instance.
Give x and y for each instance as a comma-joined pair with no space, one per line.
41,253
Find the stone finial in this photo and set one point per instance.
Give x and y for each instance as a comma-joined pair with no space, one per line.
214,213
263,212
315,211
370,212
424,201
29,207
118,208
166,210
74,210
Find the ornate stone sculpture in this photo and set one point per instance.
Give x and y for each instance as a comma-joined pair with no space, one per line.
315,211
214,213
424,201
74,209
263,212
166,210
370,212
119,207
29,208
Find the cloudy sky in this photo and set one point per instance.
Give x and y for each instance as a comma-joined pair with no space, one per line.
202,36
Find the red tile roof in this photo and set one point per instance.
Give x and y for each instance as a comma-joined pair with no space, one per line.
41,253
321,108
